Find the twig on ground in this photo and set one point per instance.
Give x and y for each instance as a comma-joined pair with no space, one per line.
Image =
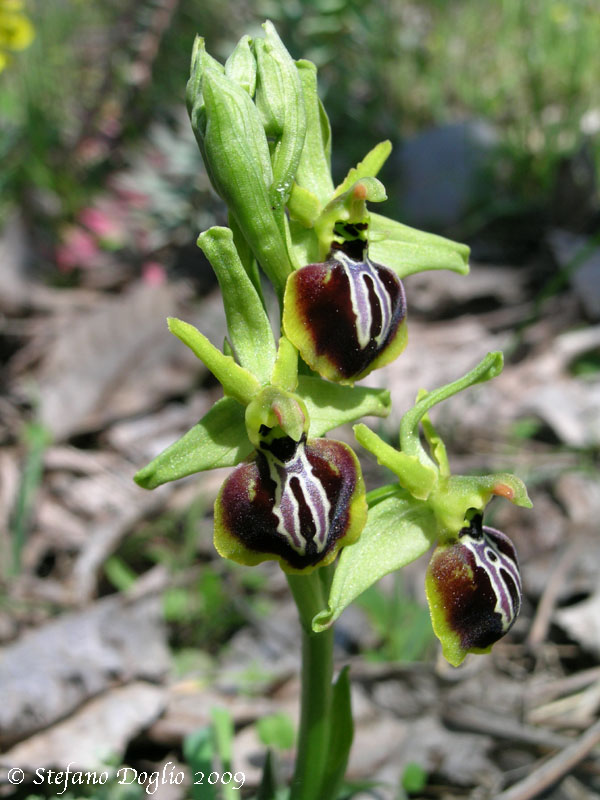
553,769
549,598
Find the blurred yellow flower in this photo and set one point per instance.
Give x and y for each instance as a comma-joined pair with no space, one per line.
16,29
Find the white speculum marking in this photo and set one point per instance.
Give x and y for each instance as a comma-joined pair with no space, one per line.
359,272
287,506
492,560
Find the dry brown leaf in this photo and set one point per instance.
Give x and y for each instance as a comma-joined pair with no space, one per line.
94,735
51,671
582,623
117,359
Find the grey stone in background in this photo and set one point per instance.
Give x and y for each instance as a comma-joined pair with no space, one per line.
443,171
49,672
579,256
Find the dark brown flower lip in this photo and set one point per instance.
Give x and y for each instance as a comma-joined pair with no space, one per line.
351,309
297,509
478,581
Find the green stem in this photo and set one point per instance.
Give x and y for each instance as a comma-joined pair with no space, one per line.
310,593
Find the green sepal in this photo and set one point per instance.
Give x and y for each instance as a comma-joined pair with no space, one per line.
418,478
247,321
241,65
455,498
330,405
314,169
218,440
341,734
367,168
279,409
399,530
407,250
236,381
281,105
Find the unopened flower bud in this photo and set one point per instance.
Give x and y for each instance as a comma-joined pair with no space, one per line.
345,317
474,590
296,502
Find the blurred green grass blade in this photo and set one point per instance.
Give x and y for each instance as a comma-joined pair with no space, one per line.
268,784
198,751
223,732
37,439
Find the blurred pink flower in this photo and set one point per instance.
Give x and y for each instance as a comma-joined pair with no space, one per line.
153,273
103,223
77,249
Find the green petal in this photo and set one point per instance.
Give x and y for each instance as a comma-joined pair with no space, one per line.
367,168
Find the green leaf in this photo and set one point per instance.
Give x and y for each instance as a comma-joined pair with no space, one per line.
314,169
414,778
399,530
198,753
331,404
247,322
277,730
407,250
218,440
341,734
241,66
367,168
236,381
268,784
